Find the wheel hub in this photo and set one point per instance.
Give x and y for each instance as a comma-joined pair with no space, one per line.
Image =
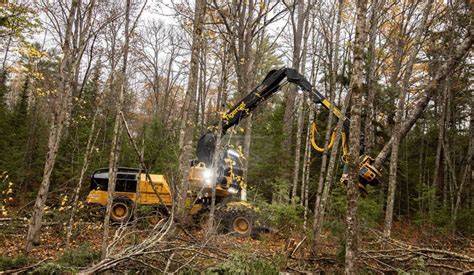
241,225
119,210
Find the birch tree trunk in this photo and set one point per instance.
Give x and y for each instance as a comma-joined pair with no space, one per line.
306,169
301,114
60,118
296,169
116,134
398,122
298,27
187,126
354,143
377,6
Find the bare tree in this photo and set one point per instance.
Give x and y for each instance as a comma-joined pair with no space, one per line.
300,11
74,36
354,143
189,108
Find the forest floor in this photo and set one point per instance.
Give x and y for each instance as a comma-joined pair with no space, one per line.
410,249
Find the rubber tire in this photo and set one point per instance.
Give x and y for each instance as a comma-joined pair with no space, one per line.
128,204
232,216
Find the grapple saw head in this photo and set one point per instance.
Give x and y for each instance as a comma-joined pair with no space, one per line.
368,174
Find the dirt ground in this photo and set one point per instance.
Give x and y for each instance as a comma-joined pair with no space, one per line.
438,252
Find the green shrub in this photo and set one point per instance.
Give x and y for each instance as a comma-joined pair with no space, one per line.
54,268
8,263
70,262
277,215
282,215
441,219
81,256
464,223
370,210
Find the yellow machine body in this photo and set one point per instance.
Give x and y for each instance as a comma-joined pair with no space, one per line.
147,195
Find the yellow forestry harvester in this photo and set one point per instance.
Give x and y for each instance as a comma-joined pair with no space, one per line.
226,174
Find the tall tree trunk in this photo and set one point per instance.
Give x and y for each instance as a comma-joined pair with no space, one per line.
437,175
201,115
398,121
306,168
215,159
296,169
291,96
377,6
448,166
116,134
187,127
354,143
60,118
247,67
300,113
222,91
247,140
307,162
317,225
306,148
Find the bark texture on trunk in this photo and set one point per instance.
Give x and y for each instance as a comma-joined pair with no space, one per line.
296,168
187,125
306,169
299,130
354,142
438,179
291,96
369,131
60,118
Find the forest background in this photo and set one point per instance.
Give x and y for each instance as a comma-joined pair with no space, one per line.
401,69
